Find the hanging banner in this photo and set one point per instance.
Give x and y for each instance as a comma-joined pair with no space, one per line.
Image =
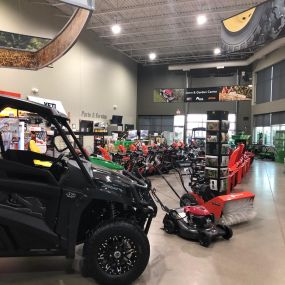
254,27
218,94
210,94
168,95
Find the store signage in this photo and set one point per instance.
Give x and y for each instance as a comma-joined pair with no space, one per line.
218,94
93,115
48,102
87,4
208,94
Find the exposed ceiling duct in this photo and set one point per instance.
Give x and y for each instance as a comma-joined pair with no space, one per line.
257,55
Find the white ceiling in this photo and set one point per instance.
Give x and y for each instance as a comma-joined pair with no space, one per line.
167,27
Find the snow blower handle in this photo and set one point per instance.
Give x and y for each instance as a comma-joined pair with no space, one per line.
163,207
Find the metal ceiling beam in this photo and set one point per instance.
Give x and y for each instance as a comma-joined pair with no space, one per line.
188,52
142,7
167,17
168,46
165,40
155,30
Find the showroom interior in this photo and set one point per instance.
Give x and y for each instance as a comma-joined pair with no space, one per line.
142,142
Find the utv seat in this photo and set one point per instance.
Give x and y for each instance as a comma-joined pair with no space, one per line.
16,170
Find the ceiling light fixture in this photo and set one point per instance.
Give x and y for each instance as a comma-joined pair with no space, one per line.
152,56
201,19
116,29
220,67
217,51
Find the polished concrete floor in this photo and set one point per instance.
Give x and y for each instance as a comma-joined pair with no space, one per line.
254,256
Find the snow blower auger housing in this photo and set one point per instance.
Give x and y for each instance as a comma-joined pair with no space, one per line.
47,211
193,223
230,209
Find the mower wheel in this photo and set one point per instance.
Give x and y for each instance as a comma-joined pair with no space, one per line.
116,253
205,240
168,225
228,231
188,200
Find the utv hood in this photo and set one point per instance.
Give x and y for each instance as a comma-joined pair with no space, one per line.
109,177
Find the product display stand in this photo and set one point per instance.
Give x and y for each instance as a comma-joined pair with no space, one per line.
217,157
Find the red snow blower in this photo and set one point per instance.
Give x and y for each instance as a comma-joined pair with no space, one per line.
228,209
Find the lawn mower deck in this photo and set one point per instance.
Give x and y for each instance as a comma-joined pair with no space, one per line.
193,223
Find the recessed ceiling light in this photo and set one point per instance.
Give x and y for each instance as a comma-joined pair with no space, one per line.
152,56
116,29
217,51
201,19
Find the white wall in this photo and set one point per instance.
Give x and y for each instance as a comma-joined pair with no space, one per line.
90,77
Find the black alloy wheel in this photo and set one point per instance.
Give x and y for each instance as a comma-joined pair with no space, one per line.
116,253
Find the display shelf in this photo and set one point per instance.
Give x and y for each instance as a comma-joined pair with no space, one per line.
217,151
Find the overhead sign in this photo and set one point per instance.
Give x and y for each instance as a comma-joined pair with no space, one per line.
87,4
210,94
48,102
218,94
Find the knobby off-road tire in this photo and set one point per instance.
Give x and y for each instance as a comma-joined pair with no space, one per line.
251,34
116,253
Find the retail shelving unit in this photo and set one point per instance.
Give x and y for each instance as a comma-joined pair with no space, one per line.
99,135
217,157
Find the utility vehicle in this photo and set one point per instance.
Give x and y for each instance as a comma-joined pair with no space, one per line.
47,211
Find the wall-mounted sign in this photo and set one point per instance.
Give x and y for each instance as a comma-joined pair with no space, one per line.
254,27
93,115
218,94
210,94
168,95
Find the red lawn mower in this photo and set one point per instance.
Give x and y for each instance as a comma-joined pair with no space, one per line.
193,223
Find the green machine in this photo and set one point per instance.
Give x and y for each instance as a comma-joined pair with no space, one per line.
105,163
242,138
279,143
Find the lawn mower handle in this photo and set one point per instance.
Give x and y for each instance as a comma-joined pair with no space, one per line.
163,207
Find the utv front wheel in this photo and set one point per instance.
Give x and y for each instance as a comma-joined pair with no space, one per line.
116,253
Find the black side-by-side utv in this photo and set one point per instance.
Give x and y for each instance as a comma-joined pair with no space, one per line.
47,211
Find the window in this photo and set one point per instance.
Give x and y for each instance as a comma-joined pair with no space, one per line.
270,83
200,120
179,120
264,85
196,121
155,124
